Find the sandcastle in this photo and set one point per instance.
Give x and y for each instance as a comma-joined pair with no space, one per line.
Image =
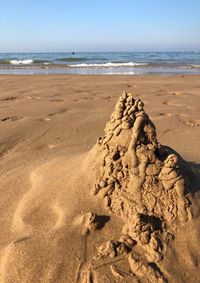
141,183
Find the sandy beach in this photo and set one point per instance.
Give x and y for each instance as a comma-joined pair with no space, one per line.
49,126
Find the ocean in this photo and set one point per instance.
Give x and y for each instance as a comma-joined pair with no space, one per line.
122,63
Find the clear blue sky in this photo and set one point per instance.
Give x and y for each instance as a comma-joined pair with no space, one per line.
99,25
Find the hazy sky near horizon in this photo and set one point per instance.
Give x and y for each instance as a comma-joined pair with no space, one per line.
99,25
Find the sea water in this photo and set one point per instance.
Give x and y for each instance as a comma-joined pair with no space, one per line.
127,63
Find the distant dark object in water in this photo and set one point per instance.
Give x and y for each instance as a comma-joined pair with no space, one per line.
73,53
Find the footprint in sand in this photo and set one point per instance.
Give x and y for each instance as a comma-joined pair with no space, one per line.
106,97
166,131
59,111
35,213
25,208
189,121
175,104
175,93
160,115
10,118
193,123
56,100
171,103
8,98
36,210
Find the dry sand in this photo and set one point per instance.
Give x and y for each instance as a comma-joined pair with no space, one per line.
49,165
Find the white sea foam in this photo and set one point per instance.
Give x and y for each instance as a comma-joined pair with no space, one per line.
108,65
21,62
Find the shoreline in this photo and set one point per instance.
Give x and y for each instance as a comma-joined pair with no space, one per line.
136,71
103,75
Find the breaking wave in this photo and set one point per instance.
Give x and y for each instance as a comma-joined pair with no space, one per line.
108,65
22,62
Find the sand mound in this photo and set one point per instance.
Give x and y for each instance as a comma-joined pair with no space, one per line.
142,184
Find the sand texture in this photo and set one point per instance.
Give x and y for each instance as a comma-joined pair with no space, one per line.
99,179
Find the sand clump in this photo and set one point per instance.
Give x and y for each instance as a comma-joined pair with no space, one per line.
142,184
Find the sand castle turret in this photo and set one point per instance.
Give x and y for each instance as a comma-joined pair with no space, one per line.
135,167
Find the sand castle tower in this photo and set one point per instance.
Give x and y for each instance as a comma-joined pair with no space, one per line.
140,182
137,175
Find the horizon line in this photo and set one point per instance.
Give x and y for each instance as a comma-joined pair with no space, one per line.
110,51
